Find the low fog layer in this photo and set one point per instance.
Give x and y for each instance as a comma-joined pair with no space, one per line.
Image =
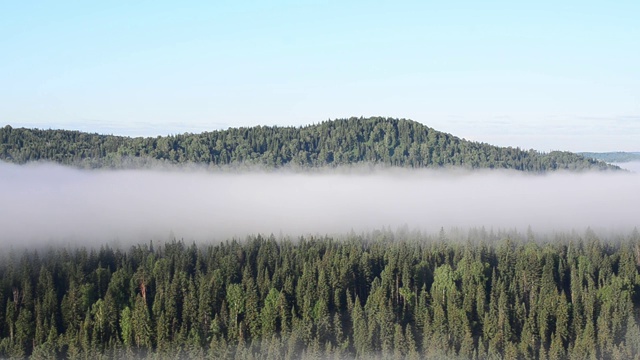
42,203
633,166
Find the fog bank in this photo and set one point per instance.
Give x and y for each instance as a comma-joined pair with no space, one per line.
40,203
633,166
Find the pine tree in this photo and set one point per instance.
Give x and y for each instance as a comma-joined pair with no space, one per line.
360,331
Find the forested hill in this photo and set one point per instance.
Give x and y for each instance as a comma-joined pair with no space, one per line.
391,142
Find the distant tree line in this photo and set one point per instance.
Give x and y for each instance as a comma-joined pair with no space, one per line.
618,156
386,294
376,140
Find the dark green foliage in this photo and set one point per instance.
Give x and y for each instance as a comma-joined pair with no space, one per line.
386,141
390,295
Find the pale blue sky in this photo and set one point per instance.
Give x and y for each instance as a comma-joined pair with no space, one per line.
542,74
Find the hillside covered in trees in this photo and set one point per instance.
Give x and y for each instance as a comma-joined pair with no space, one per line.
385,141
481,295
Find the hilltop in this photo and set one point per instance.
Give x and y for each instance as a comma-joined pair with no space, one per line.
376,140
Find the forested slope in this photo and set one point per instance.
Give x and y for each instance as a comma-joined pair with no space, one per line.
391,295
386,141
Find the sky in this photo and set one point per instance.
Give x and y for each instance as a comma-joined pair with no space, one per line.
547,75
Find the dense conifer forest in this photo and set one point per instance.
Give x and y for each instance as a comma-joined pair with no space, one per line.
472,294
384,141
479,294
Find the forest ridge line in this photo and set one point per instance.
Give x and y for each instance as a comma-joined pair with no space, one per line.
375,140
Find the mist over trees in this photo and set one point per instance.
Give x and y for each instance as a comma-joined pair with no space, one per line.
376,140
477,294
47,203
384,294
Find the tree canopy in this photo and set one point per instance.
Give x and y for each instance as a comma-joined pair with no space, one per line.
385,294
376,140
